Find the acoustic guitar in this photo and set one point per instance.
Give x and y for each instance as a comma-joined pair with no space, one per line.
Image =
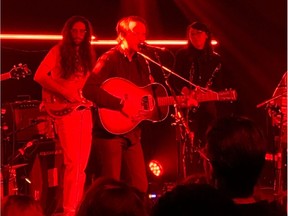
150,103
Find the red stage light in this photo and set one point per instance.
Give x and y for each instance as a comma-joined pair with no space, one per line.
156,168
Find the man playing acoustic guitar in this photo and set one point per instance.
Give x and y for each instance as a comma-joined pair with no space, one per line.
114,87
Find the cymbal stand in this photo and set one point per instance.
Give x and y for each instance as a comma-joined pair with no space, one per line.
9,171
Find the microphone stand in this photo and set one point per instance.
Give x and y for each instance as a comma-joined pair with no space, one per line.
185,133
9,170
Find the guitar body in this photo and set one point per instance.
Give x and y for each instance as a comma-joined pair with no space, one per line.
139,101
58,106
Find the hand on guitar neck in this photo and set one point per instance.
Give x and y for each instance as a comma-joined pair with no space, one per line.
17,72
189,98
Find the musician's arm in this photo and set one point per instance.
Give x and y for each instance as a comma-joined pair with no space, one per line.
43,76
93,92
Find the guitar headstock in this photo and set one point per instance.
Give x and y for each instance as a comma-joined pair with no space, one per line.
227,95
20,71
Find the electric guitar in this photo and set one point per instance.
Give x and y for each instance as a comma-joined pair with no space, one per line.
150,103
58,106
17,72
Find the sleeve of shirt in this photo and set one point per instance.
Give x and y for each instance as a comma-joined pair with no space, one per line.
92,89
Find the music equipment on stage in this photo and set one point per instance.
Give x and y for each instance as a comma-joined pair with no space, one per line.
277,110
24,121
41,176
17,72
150,103
46,175
8,176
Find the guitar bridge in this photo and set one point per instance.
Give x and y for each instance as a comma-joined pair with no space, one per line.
147,103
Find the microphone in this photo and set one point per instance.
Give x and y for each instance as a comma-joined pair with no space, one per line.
21,151
144,45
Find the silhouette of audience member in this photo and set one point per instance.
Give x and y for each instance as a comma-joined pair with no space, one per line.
20,205
194,200
107,196
236,149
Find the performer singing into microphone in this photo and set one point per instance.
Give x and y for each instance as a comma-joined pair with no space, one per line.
119,154
198,63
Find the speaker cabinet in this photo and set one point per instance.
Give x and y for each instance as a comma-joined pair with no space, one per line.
47,177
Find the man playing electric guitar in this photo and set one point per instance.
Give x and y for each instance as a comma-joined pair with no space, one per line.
62,75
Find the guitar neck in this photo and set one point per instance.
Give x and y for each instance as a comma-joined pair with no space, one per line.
166,101
5,76
208,96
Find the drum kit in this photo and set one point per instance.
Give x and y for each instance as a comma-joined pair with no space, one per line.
277,110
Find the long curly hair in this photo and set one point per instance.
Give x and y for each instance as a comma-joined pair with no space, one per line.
68,52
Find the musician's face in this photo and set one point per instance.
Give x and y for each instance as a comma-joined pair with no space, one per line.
197,38
78,32
136,35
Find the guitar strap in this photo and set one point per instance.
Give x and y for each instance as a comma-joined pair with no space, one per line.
151,78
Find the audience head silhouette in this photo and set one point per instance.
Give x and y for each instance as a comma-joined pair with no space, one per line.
194,199
20,205
236,148
107,196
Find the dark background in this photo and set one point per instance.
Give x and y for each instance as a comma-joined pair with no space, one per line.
252,37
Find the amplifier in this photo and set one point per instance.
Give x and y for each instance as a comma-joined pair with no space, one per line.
24,121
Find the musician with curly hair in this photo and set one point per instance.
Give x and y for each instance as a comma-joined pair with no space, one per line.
62,74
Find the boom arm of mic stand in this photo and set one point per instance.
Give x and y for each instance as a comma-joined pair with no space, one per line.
172,72
269,100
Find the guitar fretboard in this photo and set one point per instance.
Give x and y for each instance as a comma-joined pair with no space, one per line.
165,101
208,96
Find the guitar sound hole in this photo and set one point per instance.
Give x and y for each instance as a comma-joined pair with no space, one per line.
147,102
81,108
